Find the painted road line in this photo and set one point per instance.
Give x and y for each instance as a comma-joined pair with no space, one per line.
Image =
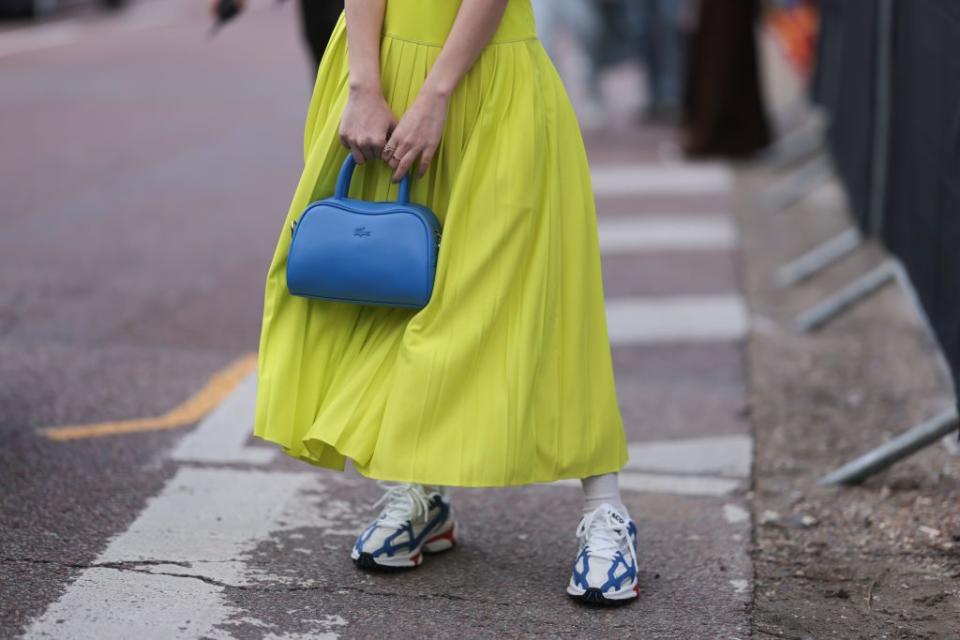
165,576
223,435
638,233
676,319
725,456
195,408
678,179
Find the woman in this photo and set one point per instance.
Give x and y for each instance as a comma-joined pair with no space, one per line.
505,377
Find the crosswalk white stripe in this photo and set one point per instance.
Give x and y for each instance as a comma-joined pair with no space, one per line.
222,436
671,484
678,484
673,319
637,233
678,179
727,456
201,524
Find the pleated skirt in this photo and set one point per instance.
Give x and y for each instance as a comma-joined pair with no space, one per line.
505,377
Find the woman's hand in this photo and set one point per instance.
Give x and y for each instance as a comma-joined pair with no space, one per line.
366,124
418,135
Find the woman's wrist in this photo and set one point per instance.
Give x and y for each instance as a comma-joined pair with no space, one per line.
365,86
437,89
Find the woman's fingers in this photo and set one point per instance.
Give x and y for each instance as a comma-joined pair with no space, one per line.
389,148
387,153
357,154
369,144
369,151
426,158
403,166
395,149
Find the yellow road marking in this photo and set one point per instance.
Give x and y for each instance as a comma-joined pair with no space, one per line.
195,408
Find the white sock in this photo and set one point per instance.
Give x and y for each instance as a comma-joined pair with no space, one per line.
605,489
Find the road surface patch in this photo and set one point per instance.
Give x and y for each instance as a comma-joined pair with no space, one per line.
193,409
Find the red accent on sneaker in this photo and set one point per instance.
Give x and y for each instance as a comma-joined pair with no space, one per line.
417,559
447,535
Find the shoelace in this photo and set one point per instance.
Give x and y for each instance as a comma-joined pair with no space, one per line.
402,502
605,536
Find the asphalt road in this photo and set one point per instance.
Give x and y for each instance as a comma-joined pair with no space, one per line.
145,172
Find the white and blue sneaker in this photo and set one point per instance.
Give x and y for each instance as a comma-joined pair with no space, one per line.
414,521
605,571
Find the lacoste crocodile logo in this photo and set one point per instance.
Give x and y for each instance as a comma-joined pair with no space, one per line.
361,232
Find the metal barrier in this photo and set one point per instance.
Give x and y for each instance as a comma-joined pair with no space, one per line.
882,141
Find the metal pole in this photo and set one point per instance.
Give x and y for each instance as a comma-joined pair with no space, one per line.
917,438
794,147
903,278
882,119
819,258
835,304
942,426
795,186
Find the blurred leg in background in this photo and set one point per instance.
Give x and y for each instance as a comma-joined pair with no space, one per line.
662,44
620,27
723,105
319,17
579,22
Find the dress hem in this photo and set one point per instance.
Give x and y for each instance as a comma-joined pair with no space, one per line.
436,480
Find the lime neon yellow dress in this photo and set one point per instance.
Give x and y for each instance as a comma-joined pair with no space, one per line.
505,378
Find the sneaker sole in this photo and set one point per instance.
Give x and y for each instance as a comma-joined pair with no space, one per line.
443,541
596,597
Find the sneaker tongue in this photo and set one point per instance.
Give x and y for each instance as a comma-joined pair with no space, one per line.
605,533
615,516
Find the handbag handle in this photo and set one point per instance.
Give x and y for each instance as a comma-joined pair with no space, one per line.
346,174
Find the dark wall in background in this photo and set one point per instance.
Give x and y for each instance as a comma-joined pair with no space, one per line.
846,89
923,199
921,190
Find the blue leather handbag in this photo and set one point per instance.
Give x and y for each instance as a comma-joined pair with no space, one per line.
370,253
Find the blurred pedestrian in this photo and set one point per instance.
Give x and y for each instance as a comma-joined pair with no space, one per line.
579,21
317,20
662,42
505,377
575,17
723,107
652,33
620,32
